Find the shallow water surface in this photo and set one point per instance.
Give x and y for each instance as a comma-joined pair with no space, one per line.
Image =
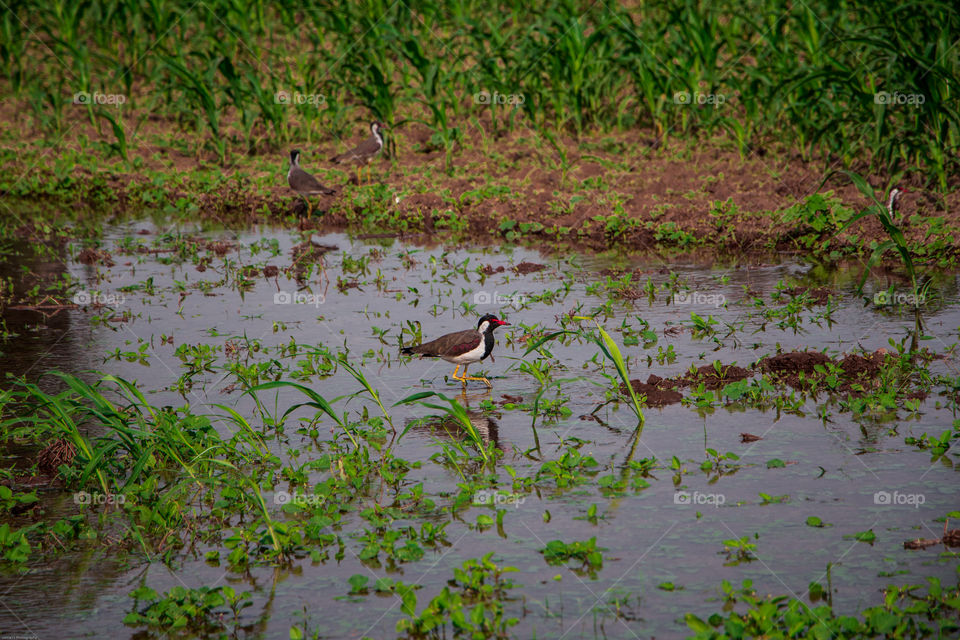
671,531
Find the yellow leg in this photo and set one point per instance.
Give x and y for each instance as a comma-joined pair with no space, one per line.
456,377
465,377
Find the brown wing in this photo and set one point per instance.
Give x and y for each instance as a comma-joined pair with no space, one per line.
452,344
302,182
366,149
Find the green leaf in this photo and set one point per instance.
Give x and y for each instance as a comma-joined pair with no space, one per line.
697,624
358,582
865,536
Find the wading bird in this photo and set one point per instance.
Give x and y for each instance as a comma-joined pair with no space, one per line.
304,183
364,153
462,348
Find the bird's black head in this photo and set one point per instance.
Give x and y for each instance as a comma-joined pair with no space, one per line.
295,157
489,322
376,126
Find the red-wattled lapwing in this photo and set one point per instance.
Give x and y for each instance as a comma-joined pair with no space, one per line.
304,183
364,153
462,348
893,204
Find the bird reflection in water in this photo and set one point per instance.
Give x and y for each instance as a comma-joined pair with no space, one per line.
446,425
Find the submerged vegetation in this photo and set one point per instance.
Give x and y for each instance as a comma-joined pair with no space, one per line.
291,456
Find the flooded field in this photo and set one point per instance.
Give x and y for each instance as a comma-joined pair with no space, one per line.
358,505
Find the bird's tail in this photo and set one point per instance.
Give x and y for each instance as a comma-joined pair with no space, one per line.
407,351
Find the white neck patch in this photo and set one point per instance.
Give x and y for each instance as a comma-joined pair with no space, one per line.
484,326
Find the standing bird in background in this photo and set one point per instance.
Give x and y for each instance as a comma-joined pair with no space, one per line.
893,204
364,153
304,183
462,348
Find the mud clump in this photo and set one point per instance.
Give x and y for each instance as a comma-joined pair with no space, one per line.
219,247
656,390
95,256
488,270
529,267
817,295
856,373
794,363
711,378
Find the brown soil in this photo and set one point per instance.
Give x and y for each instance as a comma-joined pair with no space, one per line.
858,373
488,270
529,267
95,256
708,377
656,390
672,185
789,365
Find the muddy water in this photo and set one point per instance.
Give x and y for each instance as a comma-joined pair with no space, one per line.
834,466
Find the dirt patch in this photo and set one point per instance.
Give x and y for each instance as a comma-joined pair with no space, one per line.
790,365
95,256
218,247
656,390
488,270
856,373
712,377
816,295
529,267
